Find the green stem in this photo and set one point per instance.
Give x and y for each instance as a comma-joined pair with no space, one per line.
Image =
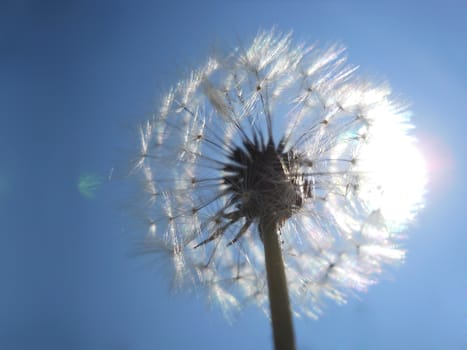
277,286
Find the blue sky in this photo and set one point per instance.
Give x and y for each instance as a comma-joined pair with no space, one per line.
76,77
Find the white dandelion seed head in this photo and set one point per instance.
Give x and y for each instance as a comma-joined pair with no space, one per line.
288,131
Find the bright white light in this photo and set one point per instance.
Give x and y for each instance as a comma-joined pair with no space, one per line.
395,168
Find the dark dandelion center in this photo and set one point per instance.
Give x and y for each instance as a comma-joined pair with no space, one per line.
263,181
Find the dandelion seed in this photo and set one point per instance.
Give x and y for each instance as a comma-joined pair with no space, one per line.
279,152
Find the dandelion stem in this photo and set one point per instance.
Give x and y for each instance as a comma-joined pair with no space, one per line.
277,286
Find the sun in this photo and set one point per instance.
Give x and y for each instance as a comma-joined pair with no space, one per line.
396,169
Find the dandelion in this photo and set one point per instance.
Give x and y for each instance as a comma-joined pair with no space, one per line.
275,176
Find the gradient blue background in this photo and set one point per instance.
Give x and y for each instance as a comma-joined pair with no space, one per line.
76,77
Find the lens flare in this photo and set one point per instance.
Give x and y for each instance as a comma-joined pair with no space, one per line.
88,185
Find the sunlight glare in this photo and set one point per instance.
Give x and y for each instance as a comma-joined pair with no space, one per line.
393,161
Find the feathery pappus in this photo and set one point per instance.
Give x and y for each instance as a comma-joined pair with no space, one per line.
289,132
